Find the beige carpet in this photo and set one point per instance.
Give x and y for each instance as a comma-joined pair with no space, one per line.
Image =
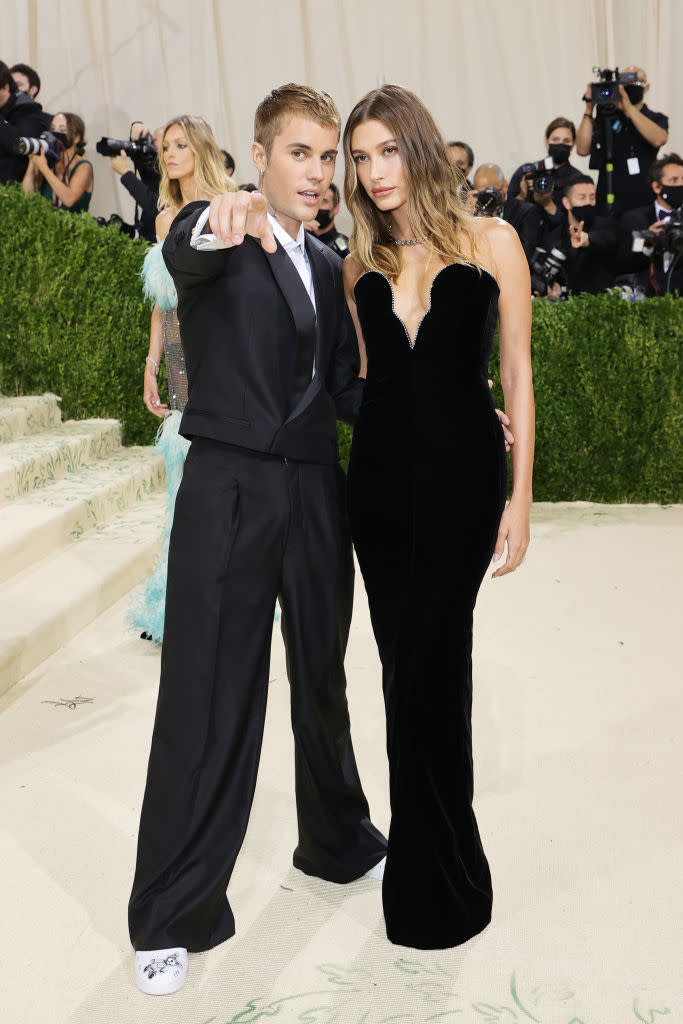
577,725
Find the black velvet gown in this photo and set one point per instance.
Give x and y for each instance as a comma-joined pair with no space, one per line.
427,487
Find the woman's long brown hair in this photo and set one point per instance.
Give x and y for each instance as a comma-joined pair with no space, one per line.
434,204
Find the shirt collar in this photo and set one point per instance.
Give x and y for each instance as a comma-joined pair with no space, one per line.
664,210
284,238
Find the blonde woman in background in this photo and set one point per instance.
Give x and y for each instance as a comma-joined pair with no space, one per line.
192,168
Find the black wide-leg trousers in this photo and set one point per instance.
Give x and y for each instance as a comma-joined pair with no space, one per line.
248,528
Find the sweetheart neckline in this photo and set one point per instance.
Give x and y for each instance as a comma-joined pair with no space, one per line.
413,342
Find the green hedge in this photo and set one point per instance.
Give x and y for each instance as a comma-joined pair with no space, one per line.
607,372
72,315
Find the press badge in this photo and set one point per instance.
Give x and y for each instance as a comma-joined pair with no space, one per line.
633,164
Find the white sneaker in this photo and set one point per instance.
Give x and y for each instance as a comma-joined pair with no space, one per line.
158,972
377,871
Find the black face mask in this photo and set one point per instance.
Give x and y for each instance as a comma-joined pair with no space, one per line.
673,195
585,214
634,93
559,151
324,218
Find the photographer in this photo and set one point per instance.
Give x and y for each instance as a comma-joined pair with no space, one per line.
68,183
632,131
540,187
145,188
588,240
27,79
324,228
20,116
493,200
560,137
462,156
649,270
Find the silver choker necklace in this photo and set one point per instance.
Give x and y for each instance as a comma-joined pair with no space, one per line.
408,241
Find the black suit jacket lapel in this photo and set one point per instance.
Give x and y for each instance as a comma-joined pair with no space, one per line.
303,313
293,289
323,283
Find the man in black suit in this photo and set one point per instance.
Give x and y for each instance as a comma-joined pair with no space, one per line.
272,361
649,270
588,240
526,218
20,116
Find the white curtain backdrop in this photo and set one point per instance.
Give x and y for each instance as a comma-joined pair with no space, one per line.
493,72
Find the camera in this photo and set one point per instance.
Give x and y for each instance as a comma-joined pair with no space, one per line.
490,202
112,147
115,221
669,239
52,144
142,152
540,175
547,268
606,91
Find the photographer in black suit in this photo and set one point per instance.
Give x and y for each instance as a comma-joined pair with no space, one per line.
20,116
588,240
493,200
635,135
323,226
272,361
140,177
649,270
560,138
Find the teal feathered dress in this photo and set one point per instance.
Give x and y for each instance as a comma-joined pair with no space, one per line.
147,610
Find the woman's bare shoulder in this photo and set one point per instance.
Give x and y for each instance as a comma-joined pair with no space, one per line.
496,242
164,220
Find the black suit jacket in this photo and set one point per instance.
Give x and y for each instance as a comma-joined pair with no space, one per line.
250,335
21,116
645,269
527,220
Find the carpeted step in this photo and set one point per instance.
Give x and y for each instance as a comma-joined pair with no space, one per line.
31,462
46,605
35,524
27,415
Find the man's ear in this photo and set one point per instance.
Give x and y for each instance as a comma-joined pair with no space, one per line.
565,202
335,210
657,188
258,156
646,87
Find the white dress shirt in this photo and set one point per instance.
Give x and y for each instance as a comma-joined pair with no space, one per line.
296,250
667,256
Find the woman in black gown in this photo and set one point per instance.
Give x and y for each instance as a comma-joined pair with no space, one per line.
425,284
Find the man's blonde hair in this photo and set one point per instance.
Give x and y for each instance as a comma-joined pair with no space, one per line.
291,101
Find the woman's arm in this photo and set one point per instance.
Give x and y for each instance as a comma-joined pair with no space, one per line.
150,394
514,311
351,271
32,179
67,194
